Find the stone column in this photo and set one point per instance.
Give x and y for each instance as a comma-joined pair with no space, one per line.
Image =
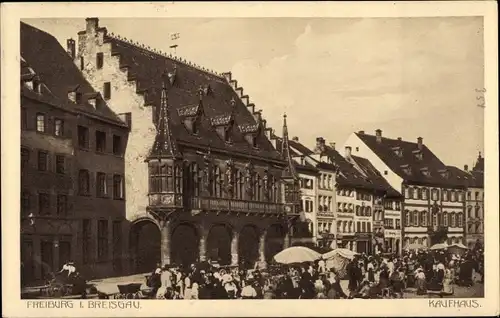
262,246
203,242
286,239
165,242
234,247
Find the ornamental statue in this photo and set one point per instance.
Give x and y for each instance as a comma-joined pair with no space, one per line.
230,177
249,179
265,184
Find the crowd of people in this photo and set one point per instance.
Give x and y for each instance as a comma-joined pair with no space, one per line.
369,276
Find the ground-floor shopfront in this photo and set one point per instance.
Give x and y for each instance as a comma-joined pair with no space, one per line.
363,243
226,238
392,241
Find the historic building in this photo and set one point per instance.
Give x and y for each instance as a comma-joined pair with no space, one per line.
72,168
434,198
475,203
318,190
204,181
386,227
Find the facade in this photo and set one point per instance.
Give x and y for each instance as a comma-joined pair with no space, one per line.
206,183
72,202
320,200
433,208
386,228
475,203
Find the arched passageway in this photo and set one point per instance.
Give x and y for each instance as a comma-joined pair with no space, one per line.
275,240
219,244
248,249
145,243
184,245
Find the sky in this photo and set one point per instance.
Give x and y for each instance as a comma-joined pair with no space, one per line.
409,77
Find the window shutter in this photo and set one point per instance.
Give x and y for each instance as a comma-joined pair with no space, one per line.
109,185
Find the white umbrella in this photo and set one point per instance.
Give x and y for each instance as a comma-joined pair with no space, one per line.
440,246
296,254
457,248
344,252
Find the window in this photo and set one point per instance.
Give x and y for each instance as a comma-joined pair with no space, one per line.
100,141
445,195
434,219
99,60
407,218
406,192
227,135
58,127
469,195
386,172
478,211
452,220
423,217
117,145
101,185
398,205
78,97
25,202
476,196
43,163
117,244
24,118
82,64
107,90
83,182
118,187
415,218
86,239
460,220
435,194
60,164
425,194
369,227
40,122
445,219
25,157
43,204
83,137
411,193
469,212
398,224
102,239
418,193
62,204
460,197
453,196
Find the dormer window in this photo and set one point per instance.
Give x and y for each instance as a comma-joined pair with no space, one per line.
227,135
398,151
78,98
426,172
36,86
406,169
92,101
254,142
419,155
444,173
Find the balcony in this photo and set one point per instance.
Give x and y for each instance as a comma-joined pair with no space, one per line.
165,200
232,205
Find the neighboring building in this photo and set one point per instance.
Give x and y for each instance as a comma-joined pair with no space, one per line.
319,200
434,198
72,144
475,204
205,182
386,208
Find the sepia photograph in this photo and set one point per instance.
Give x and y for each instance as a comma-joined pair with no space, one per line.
253,158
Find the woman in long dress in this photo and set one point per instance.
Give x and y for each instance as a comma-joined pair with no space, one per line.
420,281
447,282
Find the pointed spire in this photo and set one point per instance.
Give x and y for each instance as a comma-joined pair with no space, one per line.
285,152
164,145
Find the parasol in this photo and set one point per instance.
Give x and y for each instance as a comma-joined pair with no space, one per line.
296,254
338,259
440,246
457,248
415,246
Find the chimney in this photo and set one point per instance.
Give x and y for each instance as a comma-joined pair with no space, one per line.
378,133
419,143
92,25
361,132
295,138
348,150
70,44
399,138
332,144
320,145
466,168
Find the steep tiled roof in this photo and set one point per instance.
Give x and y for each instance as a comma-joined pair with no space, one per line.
479,166
472,179
220,103
44,56
426,170
348,175
378,182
